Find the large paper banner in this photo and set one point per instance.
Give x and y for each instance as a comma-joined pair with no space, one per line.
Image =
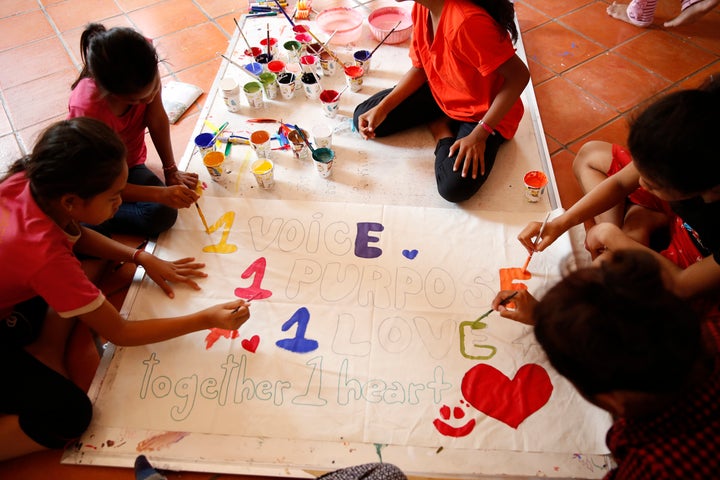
362,330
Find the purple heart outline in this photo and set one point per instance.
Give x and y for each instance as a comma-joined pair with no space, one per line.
410,254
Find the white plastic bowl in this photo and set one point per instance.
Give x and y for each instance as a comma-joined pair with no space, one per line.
383,19
346,21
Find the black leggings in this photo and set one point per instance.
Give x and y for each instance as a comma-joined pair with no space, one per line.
420,108
52,410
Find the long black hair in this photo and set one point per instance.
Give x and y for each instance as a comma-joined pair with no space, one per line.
82,156
120,60
503,12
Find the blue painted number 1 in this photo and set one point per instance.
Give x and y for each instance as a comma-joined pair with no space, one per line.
298,344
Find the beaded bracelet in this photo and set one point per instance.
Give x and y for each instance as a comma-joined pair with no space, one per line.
486,127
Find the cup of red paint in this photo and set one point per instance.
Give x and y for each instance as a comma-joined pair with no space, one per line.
535,183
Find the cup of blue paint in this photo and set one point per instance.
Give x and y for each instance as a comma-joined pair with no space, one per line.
205,143
362,59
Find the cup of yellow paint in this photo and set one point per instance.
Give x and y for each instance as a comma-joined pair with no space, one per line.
214,163
263,169
535,183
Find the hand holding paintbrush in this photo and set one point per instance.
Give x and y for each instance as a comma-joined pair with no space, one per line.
535,243
504,301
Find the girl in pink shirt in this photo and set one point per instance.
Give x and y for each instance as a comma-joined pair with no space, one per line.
120,86
75,174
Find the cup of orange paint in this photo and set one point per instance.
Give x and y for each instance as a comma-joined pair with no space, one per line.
535,183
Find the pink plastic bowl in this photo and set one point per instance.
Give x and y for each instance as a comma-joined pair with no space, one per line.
383,19
346,21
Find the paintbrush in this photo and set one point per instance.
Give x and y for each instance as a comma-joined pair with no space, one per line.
537,240
268,42
219,131
386,37
252,297
202,218
337,97
292,24
302,135
243,36
330,52
241,67
504,301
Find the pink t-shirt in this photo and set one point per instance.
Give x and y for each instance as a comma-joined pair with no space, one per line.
462,60
86,100
37,257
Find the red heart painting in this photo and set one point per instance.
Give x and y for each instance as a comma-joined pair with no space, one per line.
252,344
510,401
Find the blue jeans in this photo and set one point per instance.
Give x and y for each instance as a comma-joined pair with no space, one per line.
147,219
418,109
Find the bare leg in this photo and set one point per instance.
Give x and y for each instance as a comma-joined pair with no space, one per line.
692,13
590,168
641,222
13,441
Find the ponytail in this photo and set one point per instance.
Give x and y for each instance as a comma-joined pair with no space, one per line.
121,61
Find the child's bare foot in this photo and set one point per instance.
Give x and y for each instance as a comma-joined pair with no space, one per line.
692,13
440,128
640,17
618,11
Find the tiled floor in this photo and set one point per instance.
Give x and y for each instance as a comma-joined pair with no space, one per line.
590,73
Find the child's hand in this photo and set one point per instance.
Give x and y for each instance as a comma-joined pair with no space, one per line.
228,316
528,234
189,179
524,306
180,271
470,154
179,196
369,121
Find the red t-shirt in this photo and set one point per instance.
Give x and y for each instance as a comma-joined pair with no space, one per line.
37,257
86,100
461,62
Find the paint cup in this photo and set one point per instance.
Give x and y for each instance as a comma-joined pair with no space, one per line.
252,52
354,77
260,142
295,69
330,102
292,51
263,59
314,49
231,94
254,68
213,161
309,63
303,38
324,159
253,93
322,135
286,81
205,143
270,85
299,147
362,59
328,64
273,46
310,84
264,172
535,183
276,67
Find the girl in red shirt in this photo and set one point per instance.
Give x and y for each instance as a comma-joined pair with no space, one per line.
465,81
